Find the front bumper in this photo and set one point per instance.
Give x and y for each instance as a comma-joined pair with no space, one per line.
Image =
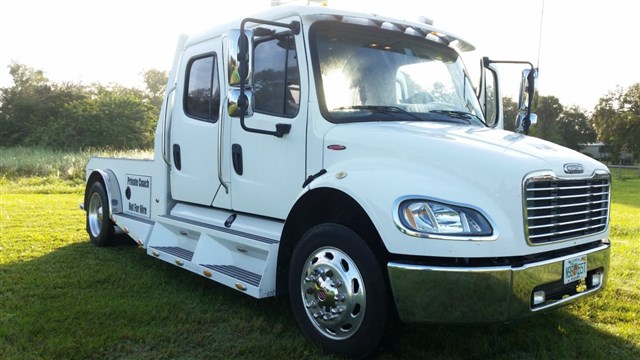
488,294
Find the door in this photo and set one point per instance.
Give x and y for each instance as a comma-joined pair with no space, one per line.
267,172
194,126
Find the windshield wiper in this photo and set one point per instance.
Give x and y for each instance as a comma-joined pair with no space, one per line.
383,109
462,115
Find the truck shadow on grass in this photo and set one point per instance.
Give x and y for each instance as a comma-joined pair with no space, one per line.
83,302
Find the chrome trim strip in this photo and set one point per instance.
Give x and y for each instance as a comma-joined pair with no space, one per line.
220,138
569,205
400,226
569,188
568,222
561,215
567,196
221,120
168,117
567,231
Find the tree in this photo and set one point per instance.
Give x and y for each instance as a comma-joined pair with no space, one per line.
114,117
155,82
510,111
32,105
548,109
20,104
616,120
37,112
574,128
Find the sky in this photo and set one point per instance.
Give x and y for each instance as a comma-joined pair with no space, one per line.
584,48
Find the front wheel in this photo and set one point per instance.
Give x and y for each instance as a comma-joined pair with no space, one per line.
337,291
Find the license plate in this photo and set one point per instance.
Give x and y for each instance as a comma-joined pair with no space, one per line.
575,269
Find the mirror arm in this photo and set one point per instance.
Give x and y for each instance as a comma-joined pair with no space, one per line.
243,57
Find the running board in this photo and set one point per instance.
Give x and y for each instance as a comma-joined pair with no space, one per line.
235,250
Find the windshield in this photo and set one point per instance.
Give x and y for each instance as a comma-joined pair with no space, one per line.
370,74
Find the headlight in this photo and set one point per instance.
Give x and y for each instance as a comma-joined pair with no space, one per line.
436,218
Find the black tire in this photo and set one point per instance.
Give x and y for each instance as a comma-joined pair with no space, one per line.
99,225
337,291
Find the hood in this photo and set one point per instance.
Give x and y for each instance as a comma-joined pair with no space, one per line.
458,148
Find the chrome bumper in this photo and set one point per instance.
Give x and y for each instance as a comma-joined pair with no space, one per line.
488,294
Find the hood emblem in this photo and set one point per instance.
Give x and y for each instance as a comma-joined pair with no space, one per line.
573,168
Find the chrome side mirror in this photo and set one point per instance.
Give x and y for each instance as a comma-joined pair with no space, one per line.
240,69
527,88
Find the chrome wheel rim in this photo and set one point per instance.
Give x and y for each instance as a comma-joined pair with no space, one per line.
95,214
333,293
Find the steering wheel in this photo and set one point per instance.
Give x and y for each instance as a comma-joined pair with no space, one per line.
419,98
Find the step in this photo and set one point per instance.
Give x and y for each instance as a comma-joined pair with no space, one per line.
176,251
236,273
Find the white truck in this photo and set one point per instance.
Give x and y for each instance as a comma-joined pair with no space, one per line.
347,161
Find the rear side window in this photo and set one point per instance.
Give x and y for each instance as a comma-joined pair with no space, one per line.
276,76
202,98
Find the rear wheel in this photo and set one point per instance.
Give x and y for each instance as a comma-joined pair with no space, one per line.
337,291
99,225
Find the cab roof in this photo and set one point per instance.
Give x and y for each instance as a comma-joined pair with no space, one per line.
310,13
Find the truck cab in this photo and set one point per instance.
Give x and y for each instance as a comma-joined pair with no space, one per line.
347,161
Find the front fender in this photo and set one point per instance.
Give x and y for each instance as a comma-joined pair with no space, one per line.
377,184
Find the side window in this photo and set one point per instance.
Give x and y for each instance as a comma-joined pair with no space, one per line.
276,77
202,98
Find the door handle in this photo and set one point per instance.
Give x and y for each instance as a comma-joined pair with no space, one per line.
176,156
236,157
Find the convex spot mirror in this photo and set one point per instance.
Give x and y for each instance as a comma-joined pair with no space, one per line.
237,103
521,123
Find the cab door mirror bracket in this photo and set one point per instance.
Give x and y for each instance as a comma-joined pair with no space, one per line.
240,102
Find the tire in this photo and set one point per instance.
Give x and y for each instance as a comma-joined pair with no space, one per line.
337,291
99,225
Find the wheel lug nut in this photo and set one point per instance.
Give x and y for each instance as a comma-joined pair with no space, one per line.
309,290
312,304
338,309
340,297
329,273
336,283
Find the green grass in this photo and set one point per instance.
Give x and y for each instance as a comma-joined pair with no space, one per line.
61,297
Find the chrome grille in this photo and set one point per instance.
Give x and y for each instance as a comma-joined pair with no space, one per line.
561,209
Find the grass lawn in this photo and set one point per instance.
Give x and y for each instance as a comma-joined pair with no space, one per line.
62,298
